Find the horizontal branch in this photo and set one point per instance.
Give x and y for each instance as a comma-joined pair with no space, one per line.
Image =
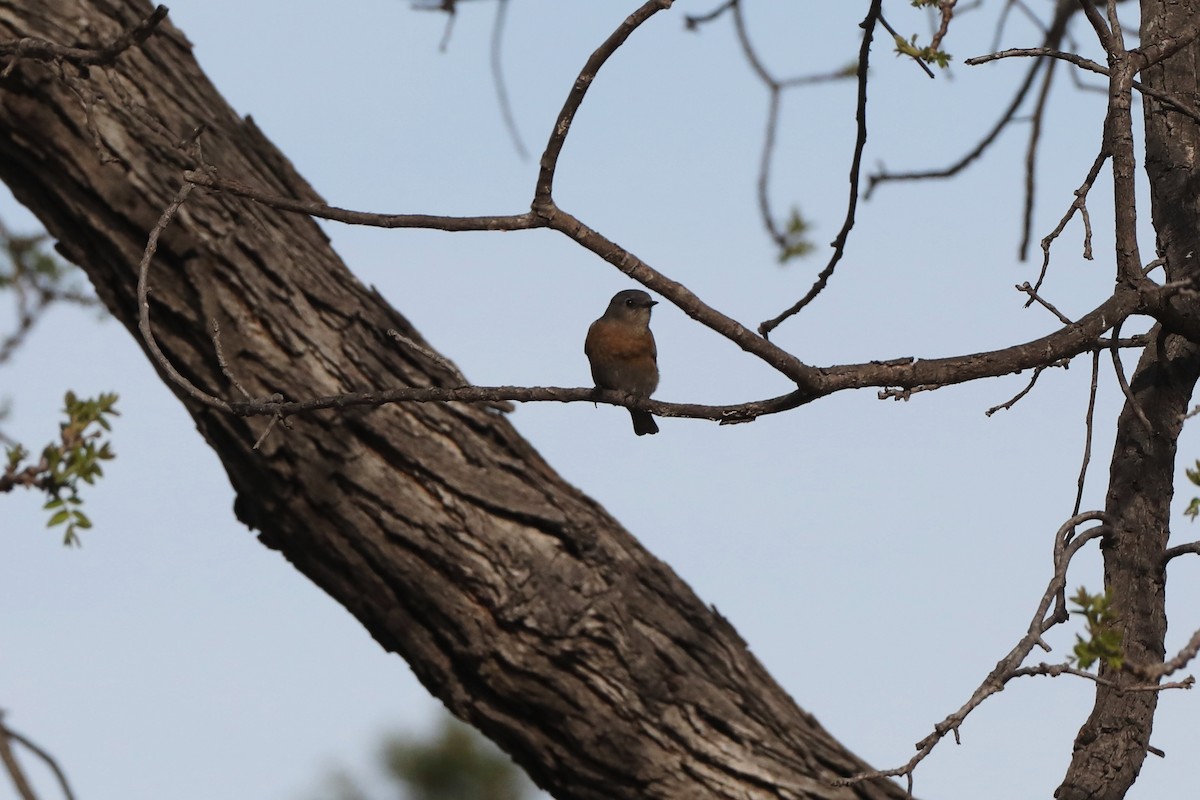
509,222
812,382
725,414
1091,66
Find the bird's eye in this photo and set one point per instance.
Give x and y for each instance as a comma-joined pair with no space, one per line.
628,301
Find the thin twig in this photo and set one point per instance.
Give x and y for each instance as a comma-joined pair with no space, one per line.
1091,66
1180,660
436,358
1087,424
775,89
874,13
1078,204
216,340
946,11
1120,370
905,393
510,222
544,188
1191,548
1031,152
510,122
9,733
143,298
693,22
9,759
42,50
1037,372
1046,304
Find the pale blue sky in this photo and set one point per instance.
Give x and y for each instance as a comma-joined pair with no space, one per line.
879,557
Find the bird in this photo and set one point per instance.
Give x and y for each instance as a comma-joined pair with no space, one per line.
621,350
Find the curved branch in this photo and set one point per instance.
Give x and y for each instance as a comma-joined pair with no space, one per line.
946,172
6,755
544,188
874,14
1192,548
510,122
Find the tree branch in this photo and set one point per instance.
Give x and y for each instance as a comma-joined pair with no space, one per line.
42,50
544,188
1066,545
874,14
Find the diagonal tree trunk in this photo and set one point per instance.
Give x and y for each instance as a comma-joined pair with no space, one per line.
516,599
1112,744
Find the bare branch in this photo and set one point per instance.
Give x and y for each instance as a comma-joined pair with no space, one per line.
9,759
1005,118
1091,66
1031,151
6,755
1066,545
1037,372
1181,660
1087,424
775,88
1168,46
1078,204
1108,39
694,21
904,374
1034,296
143,293
1054,670
511,222
510,122
946,12
42,50
874,13
216,340
1120,370
1192,548
544,188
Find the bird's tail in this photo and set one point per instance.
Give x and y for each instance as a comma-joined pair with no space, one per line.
643,422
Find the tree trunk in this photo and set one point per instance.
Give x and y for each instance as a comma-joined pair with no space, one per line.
1112,744
517,600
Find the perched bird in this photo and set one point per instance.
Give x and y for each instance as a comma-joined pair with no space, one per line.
621,350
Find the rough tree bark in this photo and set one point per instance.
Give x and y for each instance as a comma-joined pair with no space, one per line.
517,600
1113,742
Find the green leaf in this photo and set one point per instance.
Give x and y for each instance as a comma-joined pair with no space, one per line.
59,518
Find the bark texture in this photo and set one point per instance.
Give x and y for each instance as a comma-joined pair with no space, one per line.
1112,744
517,600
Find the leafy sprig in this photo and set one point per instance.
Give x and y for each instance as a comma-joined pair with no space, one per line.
65,465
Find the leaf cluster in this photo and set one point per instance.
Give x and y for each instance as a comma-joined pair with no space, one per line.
909,47
1103,642
26,256
795,242
1193,475
65,465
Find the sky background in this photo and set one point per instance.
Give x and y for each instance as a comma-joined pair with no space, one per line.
878,556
